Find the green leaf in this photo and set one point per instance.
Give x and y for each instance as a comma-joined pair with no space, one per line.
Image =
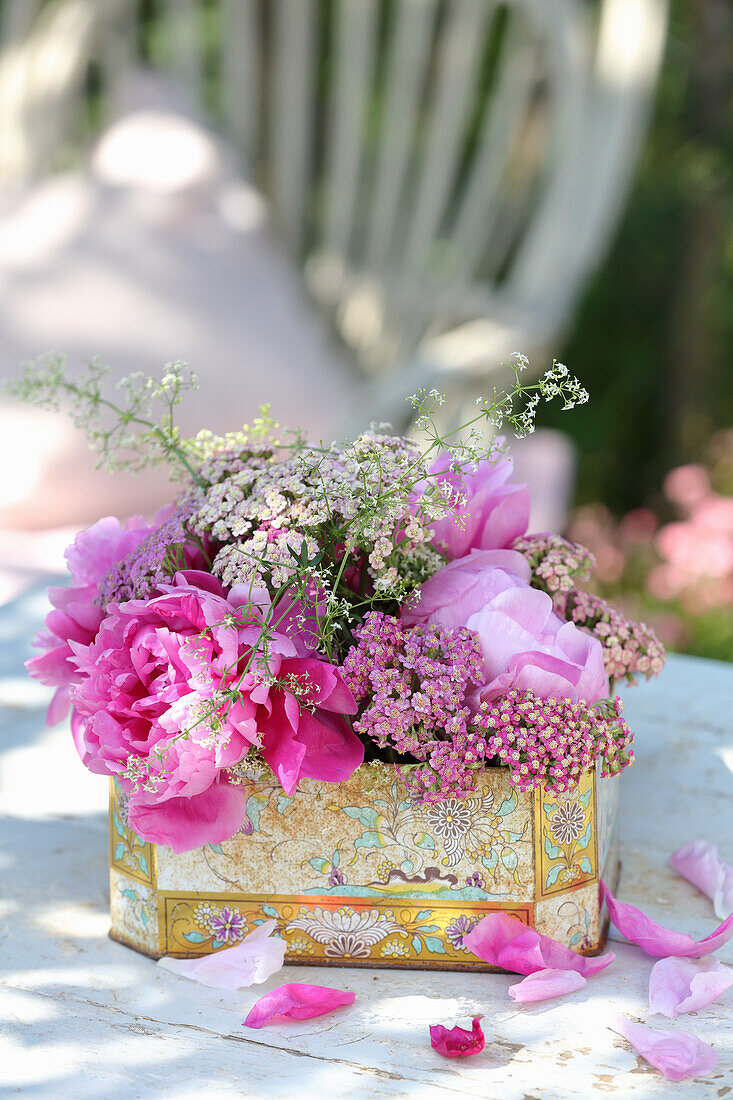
584,799
549,808
270,911
575,939
424,840
143,863
509,858
417,944
129,894
194,937
582,841
144,915
283,801
216,848
491,861
424,914
217,943
371,839
321,865
552,849
365,814
508,804
435,945
585,866
119,827
335,858
254,806
428,928
406,866
552,875
119,850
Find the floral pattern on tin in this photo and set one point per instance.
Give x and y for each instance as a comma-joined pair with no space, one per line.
346,933
568,822
568,845
458,929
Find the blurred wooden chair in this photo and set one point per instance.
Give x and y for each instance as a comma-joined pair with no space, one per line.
445,173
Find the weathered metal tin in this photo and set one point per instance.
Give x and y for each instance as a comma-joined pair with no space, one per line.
355,875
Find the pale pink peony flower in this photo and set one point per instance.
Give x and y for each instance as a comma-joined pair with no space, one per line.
490,512
525,644
75,616
156,669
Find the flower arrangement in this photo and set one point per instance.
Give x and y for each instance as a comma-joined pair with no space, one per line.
309,607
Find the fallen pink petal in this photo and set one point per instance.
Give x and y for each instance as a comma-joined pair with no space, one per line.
677,1054
457,1042
254,960
656,940
505,942
701,865
295,1001
544,984
677,986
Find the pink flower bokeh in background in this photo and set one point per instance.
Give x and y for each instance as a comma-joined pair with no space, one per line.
672,564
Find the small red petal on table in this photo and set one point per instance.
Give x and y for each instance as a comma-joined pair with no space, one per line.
505,942
657,941
676,1054
295,1001
544,984
457,1042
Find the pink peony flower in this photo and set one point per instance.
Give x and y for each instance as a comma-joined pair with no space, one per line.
159,667
525,644
76,617
489,514
465,586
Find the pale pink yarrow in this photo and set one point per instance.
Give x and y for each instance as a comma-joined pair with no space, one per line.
629,648
556,563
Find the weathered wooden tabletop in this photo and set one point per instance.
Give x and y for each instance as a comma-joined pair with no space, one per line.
85,1017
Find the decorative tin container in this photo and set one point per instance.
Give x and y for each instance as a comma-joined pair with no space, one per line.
355,875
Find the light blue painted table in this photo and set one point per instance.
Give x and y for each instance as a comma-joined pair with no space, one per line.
83,1017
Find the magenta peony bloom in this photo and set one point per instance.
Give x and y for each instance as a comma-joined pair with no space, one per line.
490,513
76,617
157,667
525,644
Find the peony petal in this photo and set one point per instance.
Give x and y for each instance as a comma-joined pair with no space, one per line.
505,942
657,940
678,1054
187,823
297,1002
700,864
457,1042
677,986
254,960
544,984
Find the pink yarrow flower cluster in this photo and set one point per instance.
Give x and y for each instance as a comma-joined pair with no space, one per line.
551,742
415,681
556,563
630,649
